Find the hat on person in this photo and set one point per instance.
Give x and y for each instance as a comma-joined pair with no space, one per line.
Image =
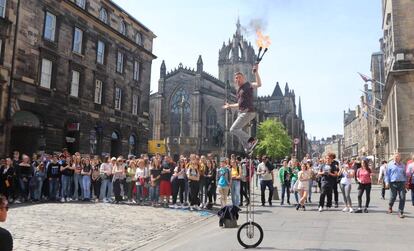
223,159
113,158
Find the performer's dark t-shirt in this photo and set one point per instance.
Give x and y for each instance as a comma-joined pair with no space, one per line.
245,98
6,240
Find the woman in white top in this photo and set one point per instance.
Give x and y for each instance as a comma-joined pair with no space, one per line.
140,181
304,177
346,173
178,182
118,170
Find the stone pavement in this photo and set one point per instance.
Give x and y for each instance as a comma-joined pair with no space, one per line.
93,226
287,229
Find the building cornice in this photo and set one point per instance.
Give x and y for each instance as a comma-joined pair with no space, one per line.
72,7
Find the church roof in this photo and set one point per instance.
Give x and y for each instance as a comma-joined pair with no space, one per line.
277,92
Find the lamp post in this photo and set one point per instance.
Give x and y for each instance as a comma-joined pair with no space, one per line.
226,122
182,103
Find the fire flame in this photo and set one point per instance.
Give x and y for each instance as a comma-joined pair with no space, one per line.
262,40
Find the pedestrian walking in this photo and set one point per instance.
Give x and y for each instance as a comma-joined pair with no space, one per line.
295,170
328,173
381,177
364,177
285,174
265,171
312,179
346,173
395,180
304,177
410,178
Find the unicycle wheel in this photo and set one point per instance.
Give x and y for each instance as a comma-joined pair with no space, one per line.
250,235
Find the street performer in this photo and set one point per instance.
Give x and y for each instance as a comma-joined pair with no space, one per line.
246,108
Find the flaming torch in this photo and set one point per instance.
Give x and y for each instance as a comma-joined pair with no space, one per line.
263,42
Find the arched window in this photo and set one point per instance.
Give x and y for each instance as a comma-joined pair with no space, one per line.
132,142
103,15
122,27
211,124
180,105
114,136
116,146
138,38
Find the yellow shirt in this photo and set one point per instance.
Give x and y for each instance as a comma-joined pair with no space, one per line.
234,172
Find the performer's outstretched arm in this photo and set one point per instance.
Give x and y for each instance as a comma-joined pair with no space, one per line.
258,82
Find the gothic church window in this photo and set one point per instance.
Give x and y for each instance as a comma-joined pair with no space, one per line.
180,105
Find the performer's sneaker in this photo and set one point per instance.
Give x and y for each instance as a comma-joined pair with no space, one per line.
252,145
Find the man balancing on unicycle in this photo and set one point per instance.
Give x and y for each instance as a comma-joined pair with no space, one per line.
246,108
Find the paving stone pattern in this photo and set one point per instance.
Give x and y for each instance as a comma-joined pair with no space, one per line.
90,226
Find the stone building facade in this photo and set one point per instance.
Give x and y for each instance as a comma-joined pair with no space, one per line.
359,128
194,98
398,48
376,112
76,75
334,145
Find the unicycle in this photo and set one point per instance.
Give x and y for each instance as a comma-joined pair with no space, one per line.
250,234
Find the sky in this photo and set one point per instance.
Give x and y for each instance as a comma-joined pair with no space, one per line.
318,46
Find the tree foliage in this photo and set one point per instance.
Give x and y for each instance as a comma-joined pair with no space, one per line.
274,140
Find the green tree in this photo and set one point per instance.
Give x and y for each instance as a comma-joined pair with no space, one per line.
274,140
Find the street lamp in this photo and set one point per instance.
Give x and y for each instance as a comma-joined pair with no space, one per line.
182,116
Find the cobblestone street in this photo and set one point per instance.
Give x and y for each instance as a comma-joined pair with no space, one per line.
89,226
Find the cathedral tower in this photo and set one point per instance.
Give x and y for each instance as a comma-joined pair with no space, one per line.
237,55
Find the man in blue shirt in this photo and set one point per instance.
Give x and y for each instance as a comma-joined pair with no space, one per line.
395,178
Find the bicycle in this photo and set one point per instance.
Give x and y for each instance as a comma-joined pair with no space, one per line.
250,234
